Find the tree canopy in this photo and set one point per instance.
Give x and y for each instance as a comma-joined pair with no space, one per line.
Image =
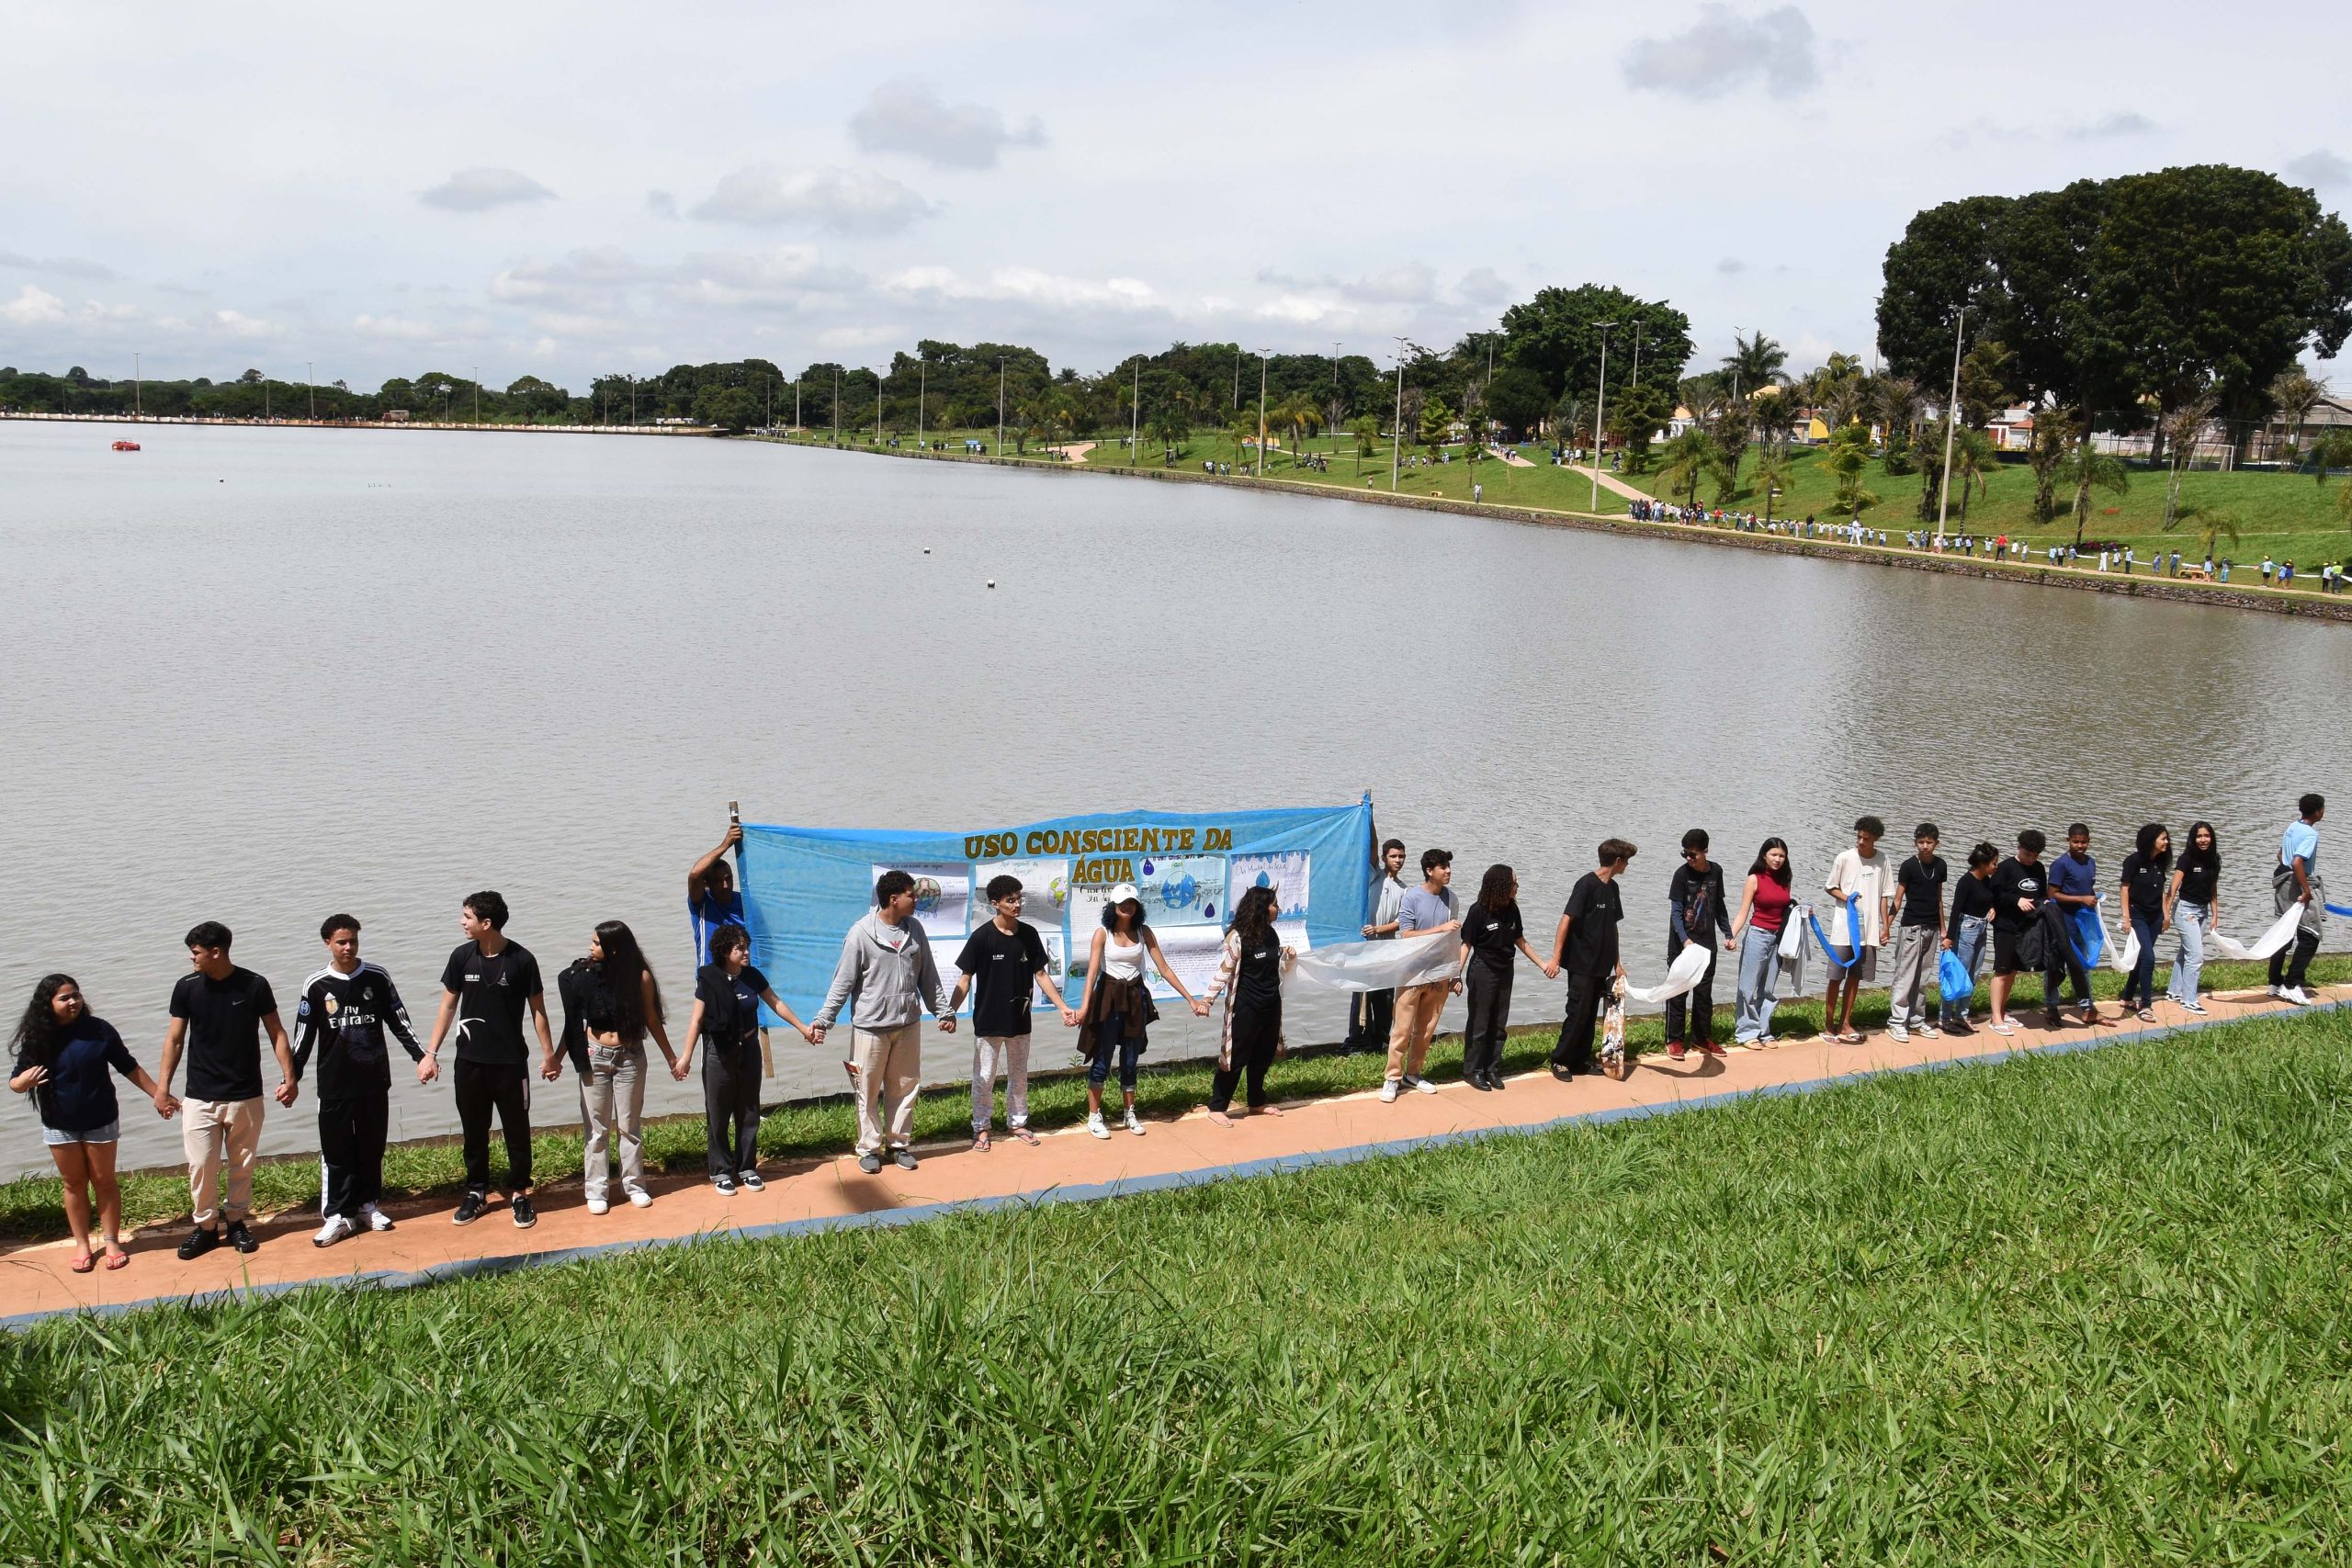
1557,334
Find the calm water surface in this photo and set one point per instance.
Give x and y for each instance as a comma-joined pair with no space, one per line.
259,676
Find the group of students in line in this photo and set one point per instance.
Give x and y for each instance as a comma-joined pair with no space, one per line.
2014,908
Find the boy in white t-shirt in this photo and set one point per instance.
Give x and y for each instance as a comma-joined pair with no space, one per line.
1859,873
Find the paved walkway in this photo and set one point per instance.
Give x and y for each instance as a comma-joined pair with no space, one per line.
1611,483
1067,1164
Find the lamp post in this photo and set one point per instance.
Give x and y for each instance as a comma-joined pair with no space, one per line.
1600,404
922,395
837,405
1135,416
137,387
477,394
1951,409
1397,426
1262,416
310,384
1000,405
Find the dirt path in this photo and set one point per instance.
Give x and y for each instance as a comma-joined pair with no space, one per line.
1613,484
1510,457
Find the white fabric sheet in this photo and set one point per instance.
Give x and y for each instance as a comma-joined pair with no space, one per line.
2280,933
1689,967
1381,966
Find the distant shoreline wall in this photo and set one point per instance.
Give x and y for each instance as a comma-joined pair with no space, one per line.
2309,606
177,419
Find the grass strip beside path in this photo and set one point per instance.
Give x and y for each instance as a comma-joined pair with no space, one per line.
2086,1308
31,1207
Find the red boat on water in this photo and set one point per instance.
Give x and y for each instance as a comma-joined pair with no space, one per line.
126,445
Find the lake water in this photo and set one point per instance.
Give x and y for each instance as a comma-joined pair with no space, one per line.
259,675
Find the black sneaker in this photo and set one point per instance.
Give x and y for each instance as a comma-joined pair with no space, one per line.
469,1208
241,1239
903,1158
726,1185
751,1178
525,1216
198,1244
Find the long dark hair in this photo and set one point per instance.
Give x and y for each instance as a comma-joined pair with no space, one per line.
1494,888
1761,869
37,1035
2149,834
1254,916
624,962
1111,917
2191,858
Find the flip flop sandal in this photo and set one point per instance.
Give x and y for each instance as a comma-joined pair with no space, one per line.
118,1260
2146,1015
979,1143
84,1263
1025,1136
1849,1038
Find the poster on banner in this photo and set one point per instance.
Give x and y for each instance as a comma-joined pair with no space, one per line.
804,887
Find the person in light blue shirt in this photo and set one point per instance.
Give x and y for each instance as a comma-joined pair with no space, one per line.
2295,880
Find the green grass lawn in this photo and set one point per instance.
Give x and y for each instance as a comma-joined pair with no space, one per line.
2287,516
2062,1310
30,1207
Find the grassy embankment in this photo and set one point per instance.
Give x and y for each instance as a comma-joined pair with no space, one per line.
2059,1310
30,1206
2287,516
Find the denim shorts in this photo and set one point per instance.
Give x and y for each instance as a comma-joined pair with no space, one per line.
58,1138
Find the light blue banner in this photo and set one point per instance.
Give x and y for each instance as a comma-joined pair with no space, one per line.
803,887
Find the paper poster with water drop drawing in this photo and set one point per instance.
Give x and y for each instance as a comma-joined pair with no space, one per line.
1289,874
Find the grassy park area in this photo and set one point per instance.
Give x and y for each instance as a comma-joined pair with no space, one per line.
2082,1308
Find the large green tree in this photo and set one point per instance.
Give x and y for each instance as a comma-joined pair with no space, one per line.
1557,334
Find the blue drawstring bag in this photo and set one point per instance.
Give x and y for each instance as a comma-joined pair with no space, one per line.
2090,937
1952,978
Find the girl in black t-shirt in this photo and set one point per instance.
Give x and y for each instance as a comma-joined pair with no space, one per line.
726,1026
62,1057
1251,979
1491,933
2146,871
2192,904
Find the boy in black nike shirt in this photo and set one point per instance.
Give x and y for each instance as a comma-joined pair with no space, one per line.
486,987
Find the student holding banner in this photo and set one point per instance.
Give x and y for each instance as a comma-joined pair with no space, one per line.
888,977
1249,977
711,899
1371,1014
2295,880
1426,910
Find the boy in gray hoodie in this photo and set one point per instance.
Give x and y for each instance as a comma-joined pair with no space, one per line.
887,966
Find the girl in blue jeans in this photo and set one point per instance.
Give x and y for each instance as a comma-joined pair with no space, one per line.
2193,903
1764,903
1118,1003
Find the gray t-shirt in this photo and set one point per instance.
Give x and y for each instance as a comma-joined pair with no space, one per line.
1423,909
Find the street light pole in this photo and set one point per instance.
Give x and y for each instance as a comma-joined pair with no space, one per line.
310,384
837,405
138,385
1000,405
1951,409
477,394
1237,378
1600,404
1262,416
922,395
1135,416
1397,426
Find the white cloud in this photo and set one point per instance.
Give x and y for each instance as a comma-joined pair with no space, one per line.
2321,168
59,266
1483,285
1409,283
849,201
236,323
2124,122
398,329
32,306
1723,50
909,117
661,203
479,191
1027,286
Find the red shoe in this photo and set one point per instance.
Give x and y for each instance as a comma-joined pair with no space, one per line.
1676,1049
1711,1049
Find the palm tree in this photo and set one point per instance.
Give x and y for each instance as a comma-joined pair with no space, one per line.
2293,391
2213,524
1366,430
2181,428
1772,476
1754,362
1244,430
1897,402
2091,468
1849,455
2334,451
1688,457
1972,465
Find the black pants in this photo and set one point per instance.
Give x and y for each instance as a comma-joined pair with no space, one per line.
1702,1012
1587,993
1370,1016
1256,1033
2064,963
480,1088
731,1106
351,1142
2288,966
1487,991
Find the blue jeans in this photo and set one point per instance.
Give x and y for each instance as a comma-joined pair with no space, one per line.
2141,982
1968,946
2189,919
1113,1039
1759,972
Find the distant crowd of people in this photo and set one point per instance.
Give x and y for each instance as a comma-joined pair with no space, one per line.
2024,914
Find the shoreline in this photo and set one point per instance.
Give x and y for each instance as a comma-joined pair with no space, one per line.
2311,606
176,419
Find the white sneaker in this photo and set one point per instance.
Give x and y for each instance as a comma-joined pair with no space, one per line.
1134,1122
2296,995
1897,1033
1095,1125
639,1197
1423,1086
597,1205
338,1227
376,1218
2193,1007
1388,1092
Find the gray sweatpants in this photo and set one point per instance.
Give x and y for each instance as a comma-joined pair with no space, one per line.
1916,950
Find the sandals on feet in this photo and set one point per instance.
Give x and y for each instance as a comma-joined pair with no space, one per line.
979,1143
118,1259
84,1263
1025,1136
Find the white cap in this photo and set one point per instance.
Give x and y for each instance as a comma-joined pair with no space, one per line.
1125,891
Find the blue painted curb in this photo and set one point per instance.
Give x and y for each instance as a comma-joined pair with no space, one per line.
1174,1181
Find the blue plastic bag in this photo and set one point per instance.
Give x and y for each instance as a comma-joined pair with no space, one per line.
2090,937
1952,978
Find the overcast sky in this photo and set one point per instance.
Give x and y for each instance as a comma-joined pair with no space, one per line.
567,190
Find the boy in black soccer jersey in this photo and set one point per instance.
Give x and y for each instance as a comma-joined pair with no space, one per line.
344,1010
485,987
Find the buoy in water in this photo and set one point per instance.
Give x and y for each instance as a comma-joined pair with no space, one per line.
926,550
991,582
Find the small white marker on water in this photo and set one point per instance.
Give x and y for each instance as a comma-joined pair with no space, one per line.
991,582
